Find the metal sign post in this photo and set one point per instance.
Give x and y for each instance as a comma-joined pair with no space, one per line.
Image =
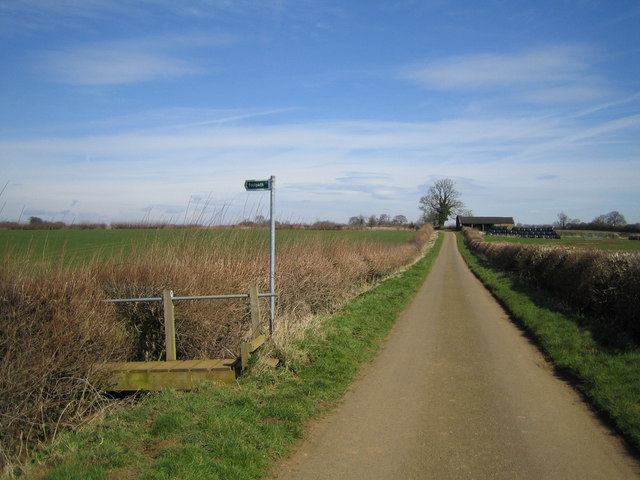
262,185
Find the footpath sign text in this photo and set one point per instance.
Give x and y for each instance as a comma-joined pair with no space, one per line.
257,185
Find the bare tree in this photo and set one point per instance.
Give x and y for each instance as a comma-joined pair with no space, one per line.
441,202
384,219
616,219
563,220
400,220
359,220
613,219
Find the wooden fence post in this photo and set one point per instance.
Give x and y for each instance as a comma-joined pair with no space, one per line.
169,325
254,302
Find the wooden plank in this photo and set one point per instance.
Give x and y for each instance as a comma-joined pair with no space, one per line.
247,348
161,375
245,354
161,380
186,365
158,367
176,365
254,303
271,361
217,364
257,342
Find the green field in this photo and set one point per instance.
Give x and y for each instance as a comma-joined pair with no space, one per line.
574,241
82,246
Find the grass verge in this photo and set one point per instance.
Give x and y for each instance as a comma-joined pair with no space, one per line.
605,369
237,432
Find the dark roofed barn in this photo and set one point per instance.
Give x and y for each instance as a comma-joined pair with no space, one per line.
484,223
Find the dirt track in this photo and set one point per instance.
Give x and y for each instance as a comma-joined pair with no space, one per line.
458,393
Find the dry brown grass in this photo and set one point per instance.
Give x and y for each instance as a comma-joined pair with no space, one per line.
52,329
55,326
313,276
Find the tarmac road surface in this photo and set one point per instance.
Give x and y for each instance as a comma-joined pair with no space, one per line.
457,392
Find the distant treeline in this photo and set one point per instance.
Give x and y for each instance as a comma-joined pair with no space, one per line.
628,228
44,225
613,221
36,223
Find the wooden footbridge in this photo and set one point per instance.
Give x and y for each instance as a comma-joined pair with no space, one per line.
187,374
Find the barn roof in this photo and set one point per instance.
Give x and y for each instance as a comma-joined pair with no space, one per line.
486,220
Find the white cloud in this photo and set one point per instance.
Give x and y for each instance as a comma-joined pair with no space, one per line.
128,61
20,16
549,74
329,170
104,66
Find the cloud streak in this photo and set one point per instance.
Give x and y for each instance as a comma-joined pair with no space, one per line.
109,66
129,61
343,168
538,75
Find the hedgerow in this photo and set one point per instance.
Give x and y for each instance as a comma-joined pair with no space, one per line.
603,284
56,329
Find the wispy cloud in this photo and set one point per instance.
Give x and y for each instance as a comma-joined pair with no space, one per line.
343,168
19,16
549,74
127,61
113,66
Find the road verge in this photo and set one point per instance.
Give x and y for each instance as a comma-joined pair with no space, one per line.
605,369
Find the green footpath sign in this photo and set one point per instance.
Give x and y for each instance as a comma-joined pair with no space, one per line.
257,185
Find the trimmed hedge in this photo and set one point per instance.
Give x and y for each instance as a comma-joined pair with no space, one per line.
604,284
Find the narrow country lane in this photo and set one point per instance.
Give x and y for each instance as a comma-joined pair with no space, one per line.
458,392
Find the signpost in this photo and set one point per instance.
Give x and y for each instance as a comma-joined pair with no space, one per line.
257,184
262,185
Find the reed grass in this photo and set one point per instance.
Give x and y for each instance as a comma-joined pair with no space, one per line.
55,326
236,433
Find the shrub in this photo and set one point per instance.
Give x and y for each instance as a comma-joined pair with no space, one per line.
53,328
600,283
314,275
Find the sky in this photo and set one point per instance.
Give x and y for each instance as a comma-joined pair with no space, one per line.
158,110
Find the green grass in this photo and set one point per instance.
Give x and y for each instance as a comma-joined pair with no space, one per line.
82,246
78,246
602,365
237,432
574,241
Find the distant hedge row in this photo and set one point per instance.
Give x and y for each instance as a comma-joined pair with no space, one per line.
598,283
628,228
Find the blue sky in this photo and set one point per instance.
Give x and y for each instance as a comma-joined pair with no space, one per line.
159,110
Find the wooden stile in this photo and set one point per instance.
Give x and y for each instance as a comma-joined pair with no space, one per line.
169,325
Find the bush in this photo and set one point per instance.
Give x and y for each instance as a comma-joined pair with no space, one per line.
53,331
314,275
600,283
55,328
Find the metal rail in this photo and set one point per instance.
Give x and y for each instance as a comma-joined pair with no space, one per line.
202,297
169,319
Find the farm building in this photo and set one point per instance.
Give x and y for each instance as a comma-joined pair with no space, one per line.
484,223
